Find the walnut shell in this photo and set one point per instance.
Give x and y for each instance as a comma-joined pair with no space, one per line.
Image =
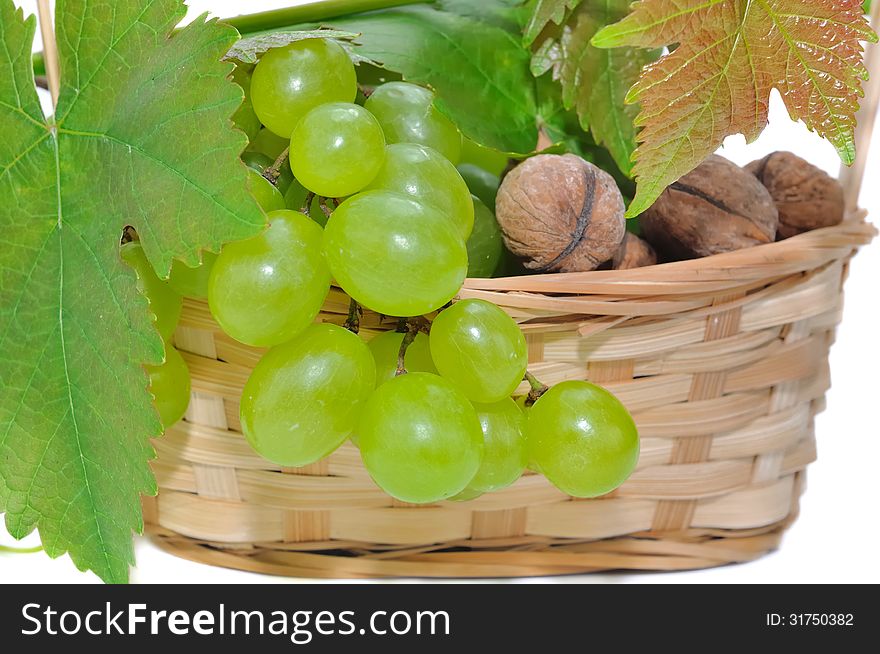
559,213
806,197
717,207
634,252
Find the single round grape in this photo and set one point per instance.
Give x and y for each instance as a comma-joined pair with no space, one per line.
245,118
486,245
260,162
582,439
337,149
385,349
267,289
488,159
170,387
192,282
165,302
290,81
481,183
466,495
296,195
420,438
256,160
303,398
267,196
427,177
269,144
504,454
480,349
394,255
408,115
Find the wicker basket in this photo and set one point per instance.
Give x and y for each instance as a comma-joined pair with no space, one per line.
722,361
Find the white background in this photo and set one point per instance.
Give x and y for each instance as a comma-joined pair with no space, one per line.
836,536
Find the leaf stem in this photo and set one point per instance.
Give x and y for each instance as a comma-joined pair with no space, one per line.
20,550
273,172
265,21
52,68
309,12
538,388
355,312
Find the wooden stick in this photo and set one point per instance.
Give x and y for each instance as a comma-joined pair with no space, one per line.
851,176
50,49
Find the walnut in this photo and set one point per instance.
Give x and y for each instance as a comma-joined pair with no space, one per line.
634,252
717,207
806,197
559,213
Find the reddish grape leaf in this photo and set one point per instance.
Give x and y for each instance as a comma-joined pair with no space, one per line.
717,81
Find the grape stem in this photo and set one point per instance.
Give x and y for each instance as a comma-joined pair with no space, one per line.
538,388
273,172
307,203
325,207
413,327
355,312
20,550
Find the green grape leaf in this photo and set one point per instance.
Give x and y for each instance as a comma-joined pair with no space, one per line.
479,70
142,137
545,12
594,81
506,14
730,54
248,50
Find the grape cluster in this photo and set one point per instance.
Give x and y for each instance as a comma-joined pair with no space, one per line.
362,188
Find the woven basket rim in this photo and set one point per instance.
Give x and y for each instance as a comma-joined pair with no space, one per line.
756,262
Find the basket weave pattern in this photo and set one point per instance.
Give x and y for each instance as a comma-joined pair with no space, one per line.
722,361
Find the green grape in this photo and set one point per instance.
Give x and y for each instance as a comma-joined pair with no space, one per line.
170,386
267,196
316,212
488,159
386,348
422,173
260,162
480,349
485,246
408,115
192,282
420,438
269,144
582,439
267,289
256,160
394,255
481,183
466,495
304,397
504,453
337,149
165,302
245,118
290,81
296,195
